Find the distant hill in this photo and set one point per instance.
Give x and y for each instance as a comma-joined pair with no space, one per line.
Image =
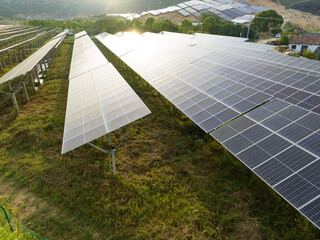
311,6
70,8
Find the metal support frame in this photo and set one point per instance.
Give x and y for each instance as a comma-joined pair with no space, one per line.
41,68
25,90
32,81
13,97
112,151
15,54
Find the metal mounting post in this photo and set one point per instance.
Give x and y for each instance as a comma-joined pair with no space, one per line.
10,58
21,55
42,72
25,90
32,81
37,74
14,99
112,157
45,65
4,62
15,54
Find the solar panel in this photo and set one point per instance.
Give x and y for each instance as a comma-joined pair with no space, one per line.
184,12
284,156
191,87
190,10
15,31
196,14
28,64
19,35
230,13
99,99
224,16
214,79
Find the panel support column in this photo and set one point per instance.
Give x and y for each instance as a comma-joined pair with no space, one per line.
25,90
112,157
14,99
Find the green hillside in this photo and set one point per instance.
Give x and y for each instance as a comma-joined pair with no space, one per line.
290,2
69,8
174,181
311,6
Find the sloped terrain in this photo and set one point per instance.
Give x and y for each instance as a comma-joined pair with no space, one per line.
174,181
305,20
309,6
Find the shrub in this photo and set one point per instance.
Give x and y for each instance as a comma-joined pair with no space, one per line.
284,39
309,54
6,234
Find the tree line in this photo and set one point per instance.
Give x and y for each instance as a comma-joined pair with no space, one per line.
208,23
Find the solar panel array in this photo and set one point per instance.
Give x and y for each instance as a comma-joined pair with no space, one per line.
4,50
261,105
28,64
229,10
99,99
19,35
14,31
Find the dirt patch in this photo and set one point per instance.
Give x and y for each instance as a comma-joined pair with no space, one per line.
21,201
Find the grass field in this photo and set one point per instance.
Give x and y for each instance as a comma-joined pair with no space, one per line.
173,182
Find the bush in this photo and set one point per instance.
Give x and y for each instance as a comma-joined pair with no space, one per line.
309,54
284,39
6,234
275,31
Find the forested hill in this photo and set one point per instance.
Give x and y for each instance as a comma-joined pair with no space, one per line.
69,8
311,6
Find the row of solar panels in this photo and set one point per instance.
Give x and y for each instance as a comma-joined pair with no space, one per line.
31,31
238,12
11,29
99,99
28,64
12,32
227,10
5,50
261,105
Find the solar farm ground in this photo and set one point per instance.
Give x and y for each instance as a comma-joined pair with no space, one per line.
174,182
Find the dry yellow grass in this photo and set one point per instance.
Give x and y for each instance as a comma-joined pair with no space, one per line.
305,20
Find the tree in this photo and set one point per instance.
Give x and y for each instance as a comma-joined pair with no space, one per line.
208,24
148,24
186,26
284,39
137,25
157,26
265,20
167,25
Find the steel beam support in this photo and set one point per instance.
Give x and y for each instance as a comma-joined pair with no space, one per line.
25,90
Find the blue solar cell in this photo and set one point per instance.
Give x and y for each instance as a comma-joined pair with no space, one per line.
312,143
274,144
237,144
297,190
295,158
273,171
254,156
